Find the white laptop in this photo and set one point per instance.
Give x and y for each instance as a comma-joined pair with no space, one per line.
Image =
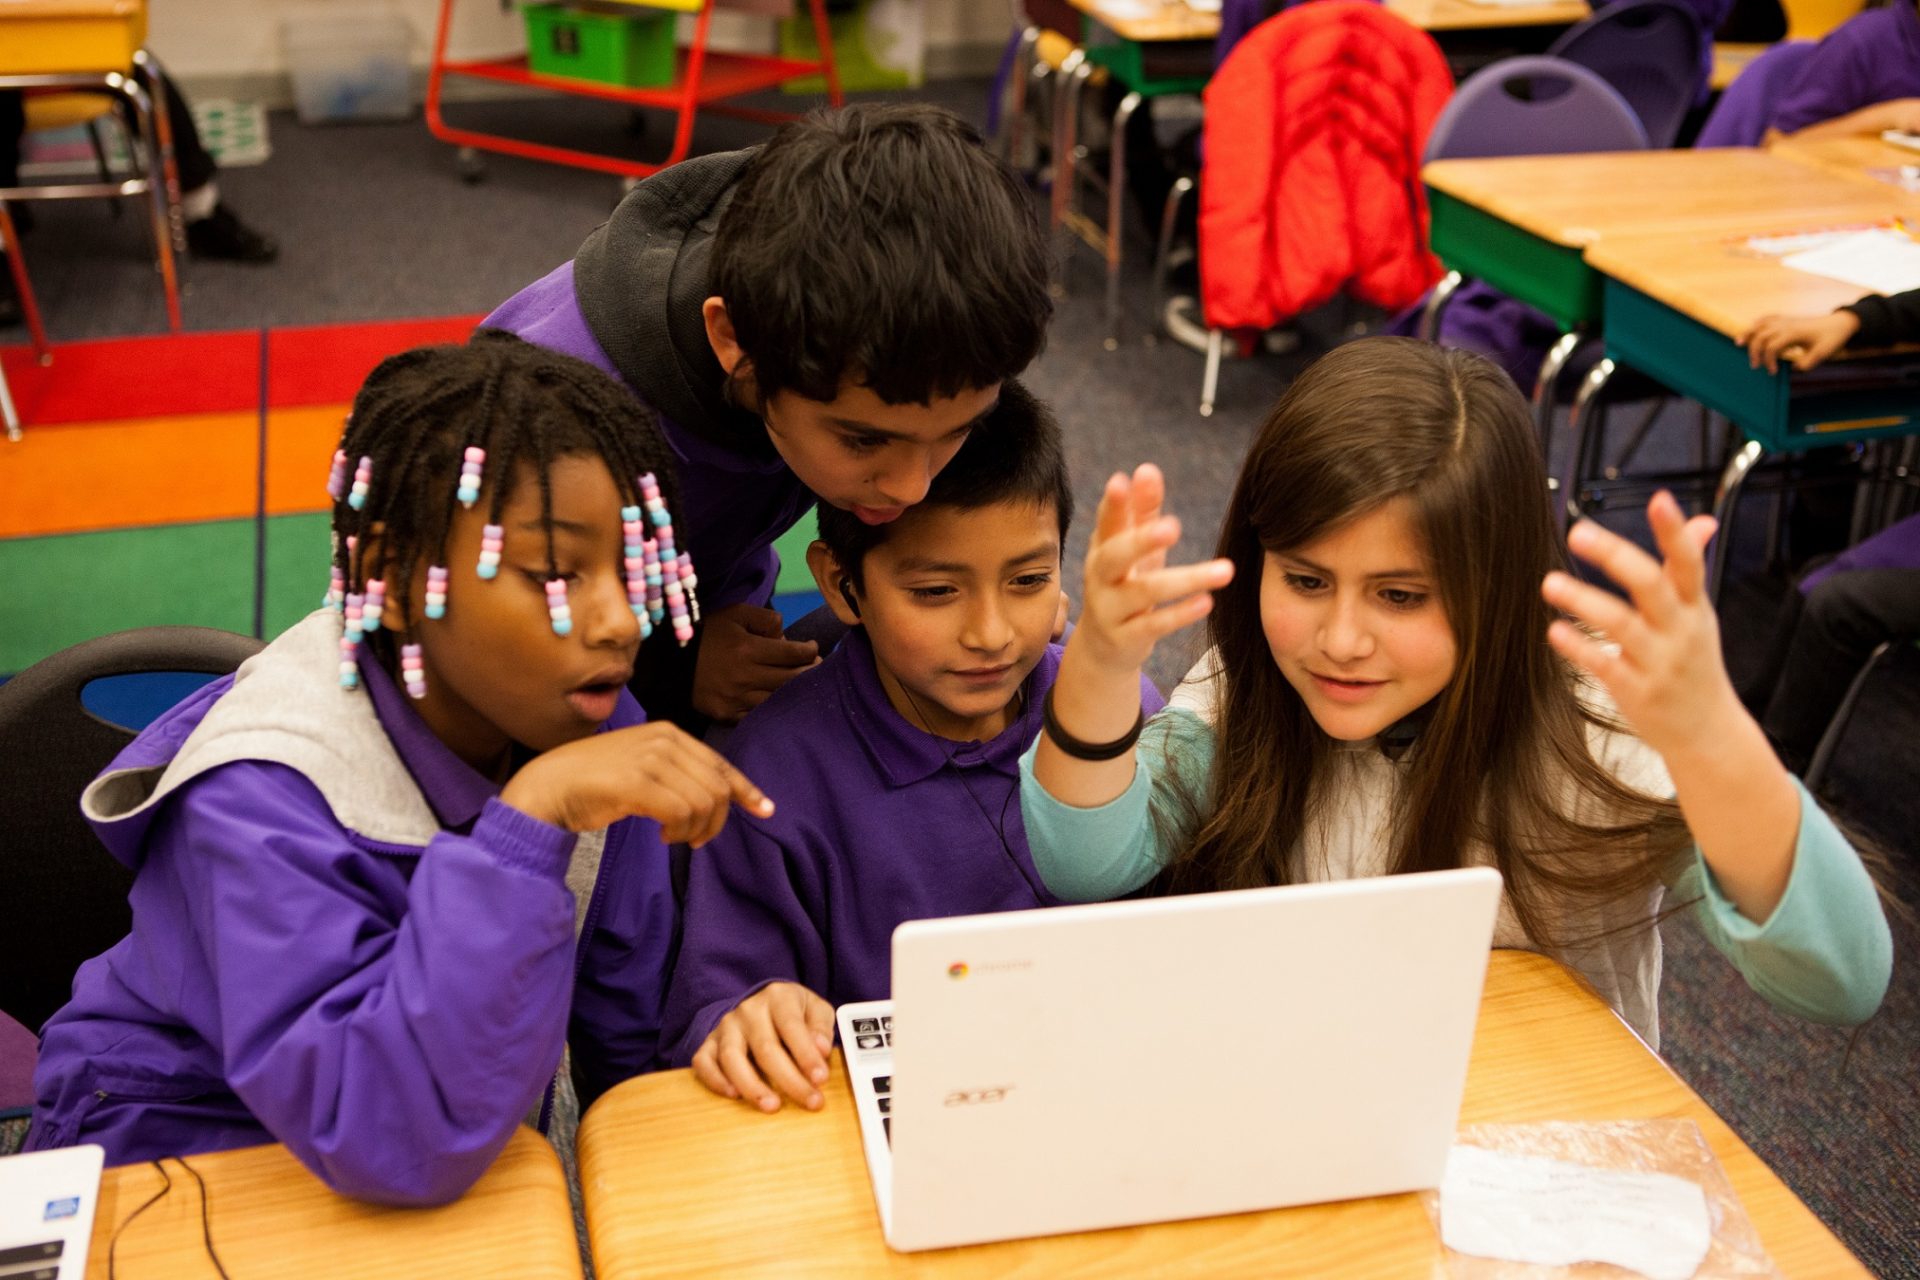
1105,1065
47,1199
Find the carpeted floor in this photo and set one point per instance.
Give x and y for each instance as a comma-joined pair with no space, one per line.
376,224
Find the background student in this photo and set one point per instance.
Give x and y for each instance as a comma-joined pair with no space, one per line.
1863,77
825,316
414,847
896,763
1397,691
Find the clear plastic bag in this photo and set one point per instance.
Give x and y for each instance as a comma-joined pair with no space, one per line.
1675,1147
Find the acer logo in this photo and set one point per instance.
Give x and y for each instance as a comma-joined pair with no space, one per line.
978,1097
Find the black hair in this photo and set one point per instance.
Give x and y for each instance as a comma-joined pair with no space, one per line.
883,244
417,413
1014,455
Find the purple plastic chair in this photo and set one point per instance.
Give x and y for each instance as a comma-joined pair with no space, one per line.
1650,50
1745,110
1534,106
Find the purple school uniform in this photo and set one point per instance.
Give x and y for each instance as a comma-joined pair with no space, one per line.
878,822
629,304
388,1011
1871,57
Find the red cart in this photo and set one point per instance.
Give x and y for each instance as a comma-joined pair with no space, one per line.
704,78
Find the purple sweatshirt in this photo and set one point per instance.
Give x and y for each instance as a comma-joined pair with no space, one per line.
1871,57
879,822
388,1011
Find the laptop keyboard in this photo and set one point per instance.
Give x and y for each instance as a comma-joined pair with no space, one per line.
875,1035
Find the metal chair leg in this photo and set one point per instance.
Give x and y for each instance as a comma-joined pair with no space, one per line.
1169,218
142,104
1543,386
1830,740
1023,63
1210,380
99,145
1578,425
1117,209
168,170
1436,303
1744,460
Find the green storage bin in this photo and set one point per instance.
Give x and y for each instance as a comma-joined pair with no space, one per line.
633,47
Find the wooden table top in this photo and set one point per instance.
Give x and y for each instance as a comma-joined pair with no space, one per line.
1577,200
1729,60
681,1183
1850,157
1151,21
1716,280
270,1219
113,9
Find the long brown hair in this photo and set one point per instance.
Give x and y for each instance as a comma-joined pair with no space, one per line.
1503,762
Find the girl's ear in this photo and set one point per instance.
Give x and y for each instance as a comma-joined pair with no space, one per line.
828,576
726,348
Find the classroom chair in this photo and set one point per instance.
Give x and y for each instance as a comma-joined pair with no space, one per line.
65,896
1310,161
1653,52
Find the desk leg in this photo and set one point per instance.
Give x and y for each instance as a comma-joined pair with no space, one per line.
1210,380
1023,64
1116,209
1073,73
1169,216
1744,460
1578,429
143,112
163,130
1436,303
1557,356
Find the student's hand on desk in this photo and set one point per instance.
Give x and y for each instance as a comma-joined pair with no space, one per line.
1808,341
783,1030
1133,598
646,771
745,656
1667,678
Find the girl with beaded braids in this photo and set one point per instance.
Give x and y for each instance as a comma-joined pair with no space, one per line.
416,846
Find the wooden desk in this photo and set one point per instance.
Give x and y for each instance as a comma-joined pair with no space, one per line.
681,1183
1150,21
270,1218
1849,157
1440,16
1729,60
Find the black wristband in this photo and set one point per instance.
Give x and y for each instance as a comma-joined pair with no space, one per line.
1089,750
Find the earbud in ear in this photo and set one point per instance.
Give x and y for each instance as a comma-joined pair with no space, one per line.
846,593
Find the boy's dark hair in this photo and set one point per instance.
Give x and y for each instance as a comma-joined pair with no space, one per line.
884,244
418,411
1012,456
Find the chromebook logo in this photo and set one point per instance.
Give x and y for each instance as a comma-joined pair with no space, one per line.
957,971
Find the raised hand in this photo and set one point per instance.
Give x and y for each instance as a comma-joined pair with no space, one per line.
1666,675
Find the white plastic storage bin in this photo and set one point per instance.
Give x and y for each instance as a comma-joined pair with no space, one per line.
348,61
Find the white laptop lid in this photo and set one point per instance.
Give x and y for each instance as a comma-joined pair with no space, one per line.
1097,1066
47,1199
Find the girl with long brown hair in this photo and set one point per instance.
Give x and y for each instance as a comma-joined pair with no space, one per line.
1393,687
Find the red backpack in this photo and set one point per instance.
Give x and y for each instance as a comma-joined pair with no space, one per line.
1315,126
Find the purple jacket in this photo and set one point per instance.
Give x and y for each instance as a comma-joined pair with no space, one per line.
878,823
1871,57
388,1011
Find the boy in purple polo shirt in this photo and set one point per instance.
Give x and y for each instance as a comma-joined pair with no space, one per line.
825,316
1863,78
896,765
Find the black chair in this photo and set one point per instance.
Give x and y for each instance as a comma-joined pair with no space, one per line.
63,896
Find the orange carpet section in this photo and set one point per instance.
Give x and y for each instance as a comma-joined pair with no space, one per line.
165,430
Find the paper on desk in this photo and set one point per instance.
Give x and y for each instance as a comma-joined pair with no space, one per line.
1555,1213
1509,4
1127,9
1882,260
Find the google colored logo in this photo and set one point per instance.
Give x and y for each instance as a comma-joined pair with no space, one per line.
956,971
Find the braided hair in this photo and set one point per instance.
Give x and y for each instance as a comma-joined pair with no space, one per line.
420,411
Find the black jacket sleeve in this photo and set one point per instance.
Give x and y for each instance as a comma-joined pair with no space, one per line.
1886,320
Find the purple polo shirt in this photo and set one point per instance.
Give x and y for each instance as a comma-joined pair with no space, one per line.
732,506
1871,57
878,822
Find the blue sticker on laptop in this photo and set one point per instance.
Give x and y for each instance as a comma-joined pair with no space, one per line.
66,1208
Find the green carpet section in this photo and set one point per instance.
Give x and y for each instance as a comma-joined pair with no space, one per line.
298,550
66,589
792,546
